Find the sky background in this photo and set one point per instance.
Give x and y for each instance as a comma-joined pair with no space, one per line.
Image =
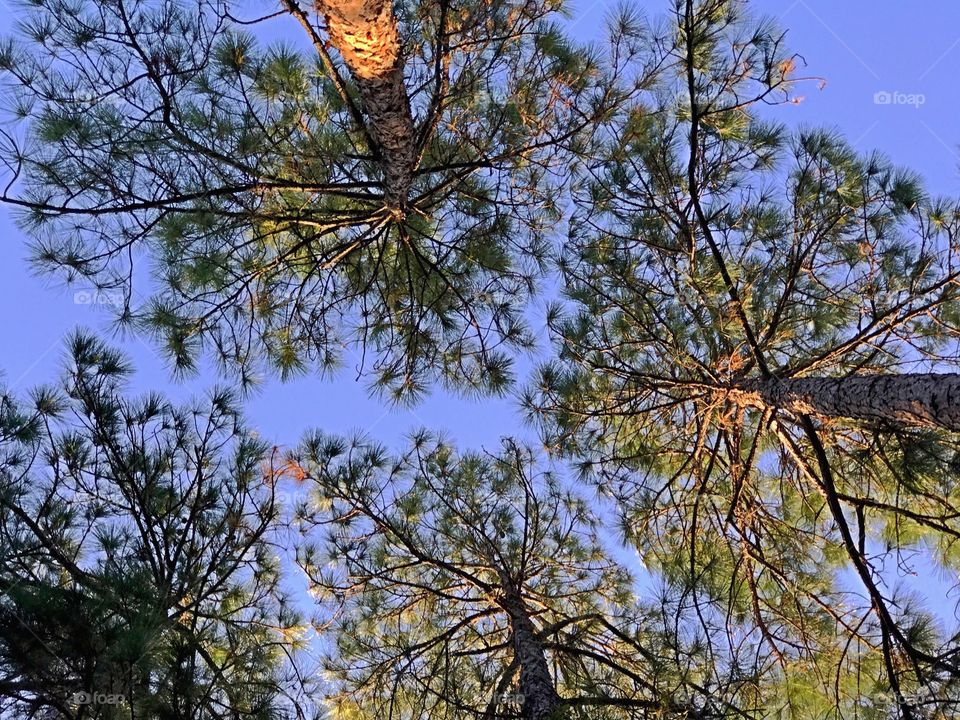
860,47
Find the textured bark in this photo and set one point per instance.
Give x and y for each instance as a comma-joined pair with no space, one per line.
920,400
365,34
540,698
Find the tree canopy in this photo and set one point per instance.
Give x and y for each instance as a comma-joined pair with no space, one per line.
746,500
716,261
136,563
247,177
475,585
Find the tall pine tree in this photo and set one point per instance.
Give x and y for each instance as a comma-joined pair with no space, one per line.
137,569
287,199
475,585
747,311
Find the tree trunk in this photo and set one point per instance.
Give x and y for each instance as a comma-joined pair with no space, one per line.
365,34
540,698
920,400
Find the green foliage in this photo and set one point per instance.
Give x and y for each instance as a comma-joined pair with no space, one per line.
415,559
708,247
134,555
163,133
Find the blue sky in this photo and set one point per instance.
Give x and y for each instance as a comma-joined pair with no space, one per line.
862,48
909,50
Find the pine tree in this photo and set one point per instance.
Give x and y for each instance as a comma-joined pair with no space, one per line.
745,308
136,566
272,190
752,353
475,586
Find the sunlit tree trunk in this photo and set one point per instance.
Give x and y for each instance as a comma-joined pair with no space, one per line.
365,34
540,697
924,400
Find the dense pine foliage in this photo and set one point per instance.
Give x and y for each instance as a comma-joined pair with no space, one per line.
135,554
244,175
748,410
712,253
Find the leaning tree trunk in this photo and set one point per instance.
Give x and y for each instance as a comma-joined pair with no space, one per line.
365,34
540,698
920,400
